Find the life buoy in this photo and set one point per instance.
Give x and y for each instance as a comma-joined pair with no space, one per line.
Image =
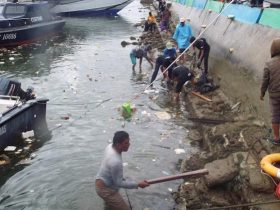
266,164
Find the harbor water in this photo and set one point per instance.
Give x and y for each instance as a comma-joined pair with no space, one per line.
86,75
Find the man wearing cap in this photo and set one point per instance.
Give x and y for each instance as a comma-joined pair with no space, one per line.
181,75
110,175
271,82
169,51
139,53
182,35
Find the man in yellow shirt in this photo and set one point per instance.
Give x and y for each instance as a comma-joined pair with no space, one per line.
150,24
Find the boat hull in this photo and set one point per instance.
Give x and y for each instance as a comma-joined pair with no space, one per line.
29,33
90,8
28,116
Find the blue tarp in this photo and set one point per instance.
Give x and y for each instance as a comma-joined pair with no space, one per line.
243,13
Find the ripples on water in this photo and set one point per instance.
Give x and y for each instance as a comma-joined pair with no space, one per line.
78,70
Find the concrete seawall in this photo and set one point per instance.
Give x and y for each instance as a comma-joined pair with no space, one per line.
241,70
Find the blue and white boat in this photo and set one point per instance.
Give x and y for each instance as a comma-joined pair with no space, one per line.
88,7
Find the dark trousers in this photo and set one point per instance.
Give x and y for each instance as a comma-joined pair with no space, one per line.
205,60
159,62
149,26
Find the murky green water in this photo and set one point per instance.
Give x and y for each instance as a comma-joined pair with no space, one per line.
84,67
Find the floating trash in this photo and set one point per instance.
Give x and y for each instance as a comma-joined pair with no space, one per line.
150,91
65,117
33,155
11,58
179,151
10,149
170,190
28,134
165,173
125,164
163,115
127,110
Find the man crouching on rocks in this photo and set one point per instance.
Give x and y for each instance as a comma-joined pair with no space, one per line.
110,175
271,82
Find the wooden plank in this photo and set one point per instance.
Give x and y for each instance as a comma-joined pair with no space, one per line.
201,96
191,174
209,121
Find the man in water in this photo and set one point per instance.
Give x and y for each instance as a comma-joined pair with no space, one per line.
110,175
181,75
204,50
182,35
271,82
140,53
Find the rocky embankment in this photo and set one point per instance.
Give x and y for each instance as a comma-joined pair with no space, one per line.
232,141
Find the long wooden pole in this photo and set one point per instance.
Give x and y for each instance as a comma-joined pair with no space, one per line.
201,96
191,174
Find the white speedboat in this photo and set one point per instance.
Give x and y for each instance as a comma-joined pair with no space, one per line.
88,7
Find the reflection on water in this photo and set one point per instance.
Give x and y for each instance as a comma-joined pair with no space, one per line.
79,72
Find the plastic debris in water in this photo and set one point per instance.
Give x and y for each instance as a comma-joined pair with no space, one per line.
170,190
163,115
179,151
165,173
10,149
127,110
27,134
125,164
151,91
33,155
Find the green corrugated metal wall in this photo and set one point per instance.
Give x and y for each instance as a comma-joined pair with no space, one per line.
271,17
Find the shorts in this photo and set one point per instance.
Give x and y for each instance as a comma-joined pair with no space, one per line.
275,109
133,58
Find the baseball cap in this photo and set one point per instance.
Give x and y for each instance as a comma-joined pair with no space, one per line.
169,45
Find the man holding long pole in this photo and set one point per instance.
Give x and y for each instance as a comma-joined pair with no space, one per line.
110,175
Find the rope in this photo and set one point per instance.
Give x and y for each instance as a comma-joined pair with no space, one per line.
128,199
269,177
198,37
242,205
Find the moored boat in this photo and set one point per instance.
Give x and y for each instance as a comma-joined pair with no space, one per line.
20,111
88,7
26,22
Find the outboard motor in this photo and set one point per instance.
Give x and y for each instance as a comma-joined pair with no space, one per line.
10,87
29,94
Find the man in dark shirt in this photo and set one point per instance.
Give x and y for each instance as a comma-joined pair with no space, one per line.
181,75
204,50
162,63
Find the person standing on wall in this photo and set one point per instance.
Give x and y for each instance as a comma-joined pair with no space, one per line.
271,82
204,50
110,175
182,35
